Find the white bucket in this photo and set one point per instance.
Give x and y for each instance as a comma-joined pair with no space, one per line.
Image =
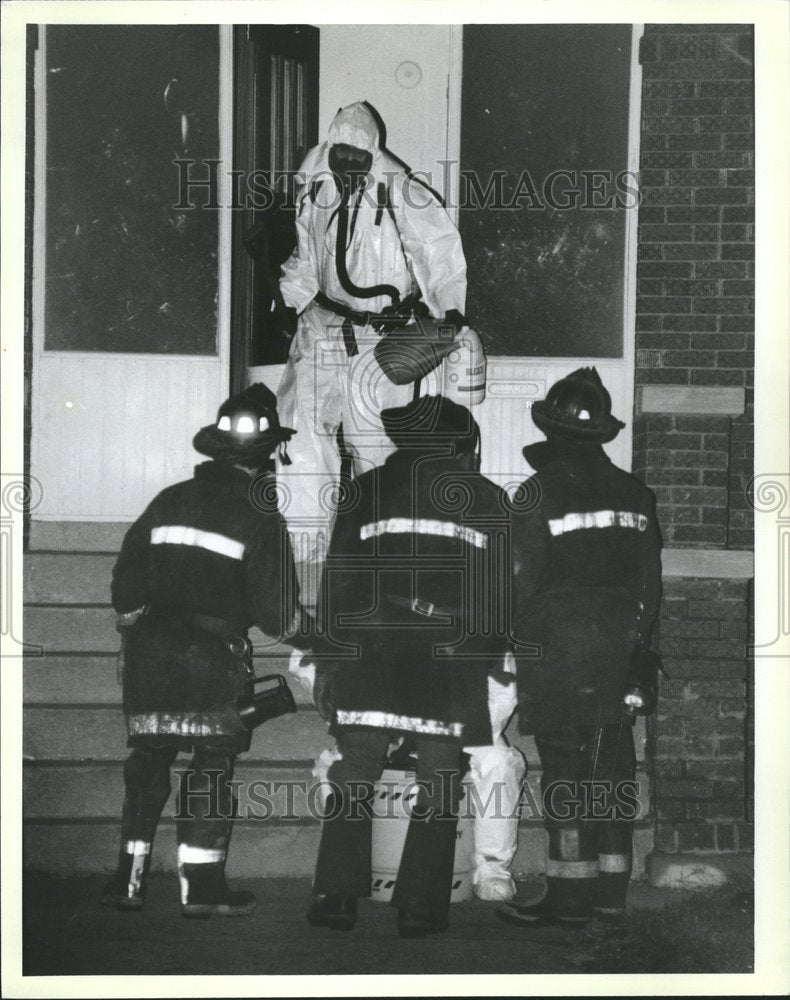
394,795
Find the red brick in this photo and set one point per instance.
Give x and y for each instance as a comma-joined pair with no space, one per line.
683,789
667,196
737,251
730,649
695,837
661,339
693,323
745,836
666,838
738,140
737,233
693,251
669,767
725,88
708,106
723,790
663,304
724,159
738,213
714,477
673,810
693,213
743,324
678,667
719,269
725,837
733,747
731,306
694,141
721,376
690,629
664,269
721,196
720,771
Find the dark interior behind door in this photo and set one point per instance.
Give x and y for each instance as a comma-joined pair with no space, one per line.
275,123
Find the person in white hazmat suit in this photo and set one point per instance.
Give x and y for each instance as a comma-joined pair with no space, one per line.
497,773
370,240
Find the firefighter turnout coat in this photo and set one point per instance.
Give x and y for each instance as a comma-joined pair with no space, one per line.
588,584
413,599
204,552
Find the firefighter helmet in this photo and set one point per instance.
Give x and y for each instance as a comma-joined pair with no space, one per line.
247,430
578,407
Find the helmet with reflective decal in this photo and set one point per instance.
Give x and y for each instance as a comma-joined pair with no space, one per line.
579,408
247,429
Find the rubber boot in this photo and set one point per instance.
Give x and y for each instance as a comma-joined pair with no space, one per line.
126,889
205,893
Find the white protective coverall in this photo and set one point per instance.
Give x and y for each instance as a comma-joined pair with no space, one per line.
497,773
410,244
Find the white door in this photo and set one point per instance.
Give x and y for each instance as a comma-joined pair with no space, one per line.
112,427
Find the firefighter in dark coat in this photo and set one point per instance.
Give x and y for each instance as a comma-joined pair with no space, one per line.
200,566
412,611
587,592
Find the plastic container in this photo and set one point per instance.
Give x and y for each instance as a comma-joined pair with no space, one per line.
394,794
464,375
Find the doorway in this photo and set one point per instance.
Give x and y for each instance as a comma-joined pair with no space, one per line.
276,75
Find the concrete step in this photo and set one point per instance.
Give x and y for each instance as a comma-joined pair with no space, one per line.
257,849
90,628
68,790
79,536
92,679
94,790
68,577
67,732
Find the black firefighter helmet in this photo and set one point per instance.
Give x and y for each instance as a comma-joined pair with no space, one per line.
578,408
247,430
429,421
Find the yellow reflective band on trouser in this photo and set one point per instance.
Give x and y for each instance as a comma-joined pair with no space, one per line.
189,855
137,847
572,869
614,864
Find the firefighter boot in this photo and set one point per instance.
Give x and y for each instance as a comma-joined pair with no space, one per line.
571,880
615,862
205,893
126,889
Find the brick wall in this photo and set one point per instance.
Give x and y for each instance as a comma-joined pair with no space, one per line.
699,730
695,305
695,328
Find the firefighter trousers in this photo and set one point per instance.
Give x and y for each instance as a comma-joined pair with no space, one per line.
590,802
344,856
205,803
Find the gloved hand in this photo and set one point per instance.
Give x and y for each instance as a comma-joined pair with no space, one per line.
391,317
453,318
286,320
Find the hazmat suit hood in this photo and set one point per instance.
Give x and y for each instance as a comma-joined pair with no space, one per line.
355,126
